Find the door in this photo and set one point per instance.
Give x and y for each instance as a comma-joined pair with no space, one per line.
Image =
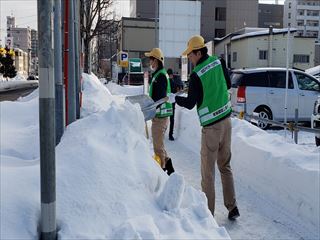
309,90
276,92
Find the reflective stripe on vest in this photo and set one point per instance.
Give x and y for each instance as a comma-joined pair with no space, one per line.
215,103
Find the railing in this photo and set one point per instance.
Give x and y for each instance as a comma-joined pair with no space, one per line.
293,127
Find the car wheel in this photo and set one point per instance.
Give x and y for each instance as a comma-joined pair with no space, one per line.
317,141
265,114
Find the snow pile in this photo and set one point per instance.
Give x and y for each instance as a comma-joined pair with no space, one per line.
108,185
17,84
116,89
284,173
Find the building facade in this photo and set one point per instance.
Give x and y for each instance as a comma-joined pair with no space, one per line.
304,15
267,48
34,43
270,15
218,17
21,38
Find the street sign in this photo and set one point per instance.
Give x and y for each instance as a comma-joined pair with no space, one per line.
123,59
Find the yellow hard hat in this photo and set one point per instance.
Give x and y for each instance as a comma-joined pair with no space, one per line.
156,53
194,43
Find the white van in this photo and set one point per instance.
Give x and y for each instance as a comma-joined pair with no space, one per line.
262,90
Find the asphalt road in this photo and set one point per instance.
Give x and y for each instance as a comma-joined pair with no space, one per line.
13,95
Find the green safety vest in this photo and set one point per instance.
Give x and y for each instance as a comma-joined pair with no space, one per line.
215,104
165,109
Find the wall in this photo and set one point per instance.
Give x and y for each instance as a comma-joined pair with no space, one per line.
240,14
248,51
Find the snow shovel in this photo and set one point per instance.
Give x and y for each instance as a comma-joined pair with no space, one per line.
148,106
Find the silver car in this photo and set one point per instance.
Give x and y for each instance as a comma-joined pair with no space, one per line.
262,90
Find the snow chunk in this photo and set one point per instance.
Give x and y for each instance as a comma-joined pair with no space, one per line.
171,196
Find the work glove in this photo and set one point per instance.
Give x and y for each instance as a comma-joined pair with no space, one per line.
172,98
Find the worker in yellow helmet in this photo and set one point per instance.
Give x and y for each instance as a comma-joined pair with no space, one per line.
208,89
160,88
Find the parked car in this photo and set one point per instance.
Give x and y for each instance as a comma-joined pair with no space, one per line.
262,90
315,119
315,71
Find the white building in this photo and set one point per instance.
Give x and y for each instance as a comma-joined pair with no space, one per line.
263,49
304,15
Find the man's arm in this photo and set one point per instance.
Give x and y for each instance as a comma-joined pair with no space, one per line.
195,93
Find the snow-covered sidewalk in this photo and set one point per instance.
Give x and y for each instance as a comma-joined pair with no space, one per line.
277,183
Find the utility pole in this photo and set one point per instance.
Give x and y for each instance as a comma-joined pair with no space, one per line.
47,121
59,96
72,68
156,18
76,53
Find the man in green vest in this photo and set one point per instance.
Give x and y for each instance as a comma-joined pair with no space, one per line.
208,89
160,88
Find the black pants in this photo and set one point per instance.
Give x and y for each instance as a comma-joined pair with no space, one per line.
172,120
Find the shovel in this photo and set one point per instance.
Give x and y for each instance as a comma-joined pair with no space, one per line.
148,106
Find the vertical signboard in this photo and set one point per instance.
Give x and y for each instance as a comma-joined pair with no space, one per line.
184,68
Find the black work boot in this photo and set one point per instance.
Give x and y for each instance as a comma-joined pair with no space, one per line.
171,138
233,214
169,166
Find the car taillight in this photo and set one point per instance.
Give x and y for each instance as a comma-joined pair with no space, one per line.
241,95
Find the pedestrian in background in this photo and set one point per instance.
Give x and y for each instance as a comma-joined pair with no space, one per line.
208,89
176,86
160,88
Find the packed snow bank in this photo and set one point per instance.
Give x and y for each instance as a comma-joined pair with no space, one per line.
17,84
116,89
284,173
108,185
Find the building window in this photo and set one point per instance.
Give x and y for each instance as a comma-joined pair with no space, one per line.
263,54
220,14
289,15
219,32
289,4
300,58
234,56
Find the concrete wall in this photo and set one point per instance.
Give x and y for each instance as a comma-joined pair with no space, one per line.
270,15
137,35
240,14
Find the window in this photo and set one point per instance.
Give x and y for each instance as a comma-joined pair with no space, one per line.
220,14
289,4
289,15
258,79
277,79
220,32
300,58
234,56
263,54
307,83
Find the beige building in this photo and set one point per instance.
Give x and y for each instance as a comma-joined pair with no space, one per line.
262,49
21,61
137,36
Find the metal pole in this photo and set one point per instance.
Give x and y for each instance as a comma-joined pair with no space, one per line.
296,114
156,19
72,67
58,72
77,50
47,121
66,56
287,82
